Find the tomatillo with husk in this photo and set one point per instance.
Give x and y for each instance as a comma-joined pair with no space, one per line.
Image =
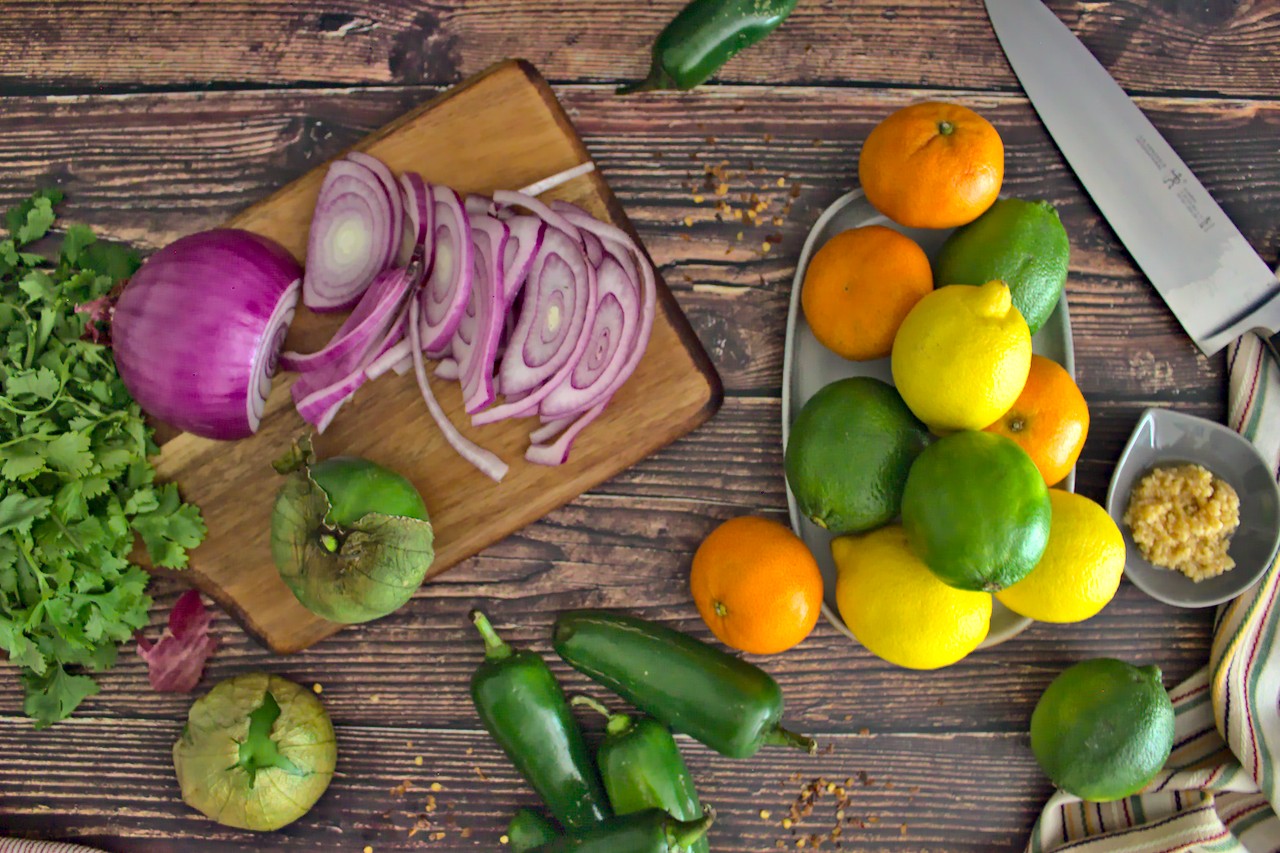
257,752
349,537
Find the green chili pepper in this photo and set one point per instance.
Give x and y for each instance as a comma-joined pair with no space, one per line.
718,699
704,36
529,830
642,768
649,831
521,704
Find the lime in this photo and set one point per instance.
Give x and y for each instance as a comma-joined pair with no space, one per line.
1021,243
962,356
898,609
1103,729
849,452
977,511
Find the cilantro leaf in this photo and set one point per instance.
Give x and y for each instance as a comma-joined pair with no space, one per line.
76,486
53,696
170,529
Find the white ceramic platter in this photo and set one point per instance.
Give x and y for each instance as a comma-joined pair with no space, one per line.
809,366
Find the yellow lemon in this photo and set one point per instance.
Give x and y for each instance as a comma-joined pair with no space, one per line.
1081,567
962,355
899,609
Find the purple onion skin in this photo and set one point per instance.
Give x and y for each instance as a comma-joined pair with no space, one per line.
188,325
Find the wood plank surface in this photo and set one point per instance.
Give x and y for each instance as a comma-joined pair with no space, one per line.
304,81
1209,46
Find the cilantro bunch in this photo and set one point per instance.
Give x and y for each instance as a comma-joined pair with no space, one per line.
75,483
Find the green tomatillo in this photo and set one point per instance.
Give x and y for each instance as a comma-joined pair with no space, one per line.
256,753
348,536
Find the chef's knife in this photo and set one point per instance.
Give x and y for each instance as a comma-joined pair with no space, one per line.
1201,264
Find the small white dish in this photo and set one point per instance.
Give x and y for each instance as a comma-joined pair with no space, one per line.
1164,437
808,366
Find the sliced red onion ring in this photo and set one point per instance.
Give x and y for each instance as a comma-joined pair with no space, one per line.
613,330
523,244
319,407
448,286
557,453
208,370
446,368
392,189
550,429
475,346
352,237
550,335
552,181
419,219
536,207
479,205
487,462
378,304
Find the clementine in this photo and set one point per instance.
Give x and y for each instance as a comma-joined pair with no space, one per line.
860,286
932,165
756,585
1049,420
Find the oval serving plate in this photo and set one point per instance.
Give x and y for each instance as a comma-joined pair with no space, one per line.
808,366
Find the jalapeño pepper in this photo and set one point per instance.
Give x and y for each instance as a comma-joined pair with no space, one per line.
529,830
642,768
704,36
521,704
649,831
725,702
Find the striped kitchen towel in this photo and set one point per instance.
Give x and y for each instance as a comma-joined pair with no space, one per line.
1220,788
18,845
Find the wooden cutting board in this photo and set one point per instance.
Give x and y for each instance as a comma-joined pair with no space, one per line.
501,129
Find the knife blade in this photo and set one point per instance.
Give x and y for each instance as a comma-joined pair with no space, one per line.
1202,266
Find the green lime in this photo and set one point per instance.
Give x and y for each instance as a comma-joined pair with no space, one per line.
1021,243
976,511
849,452
1103,729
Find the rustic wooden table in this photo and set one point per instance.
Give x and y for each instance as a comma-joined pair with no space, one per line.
160,118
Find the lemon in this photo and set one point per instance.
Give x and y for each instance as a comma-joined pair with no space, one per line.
899,609
1081,567
962,356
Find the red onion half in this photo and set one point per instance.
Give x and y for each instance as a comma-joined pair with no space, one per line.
198,330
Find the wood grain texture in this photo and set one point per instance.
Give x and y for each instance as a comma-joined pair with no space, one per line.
1211,46
148,167
458,140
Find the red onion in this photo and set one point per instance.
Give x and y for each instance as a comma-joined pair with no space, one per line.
419,219
394,197
475,345
198,330
353,236
448,285
487,462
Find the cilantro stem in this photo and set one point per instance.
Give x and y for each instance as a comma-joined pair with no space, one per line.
71,537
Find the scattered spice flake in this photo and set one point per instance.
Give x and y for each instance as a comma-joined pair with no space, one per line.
768,137
375,699
765,246
480,773
466,832
786,823
417,759
688,221
368,849
782,182
711,140
765,814
903,830
437,787
697,199
504,840
722,189
403,788
914,789
739,235
864,731
470,751
318,688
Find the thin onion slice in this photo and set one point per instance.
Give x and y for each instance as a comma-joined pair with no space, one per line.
419,219
475,346
552,181
319,407
612,332
524,242
447,368
488,463
448,286
379,303
392,189
550,334
536,207
351,238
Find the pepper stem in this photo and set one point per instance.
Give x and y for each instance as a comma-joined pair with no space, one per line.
658,79
785,737
495,648
617,723
683,834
